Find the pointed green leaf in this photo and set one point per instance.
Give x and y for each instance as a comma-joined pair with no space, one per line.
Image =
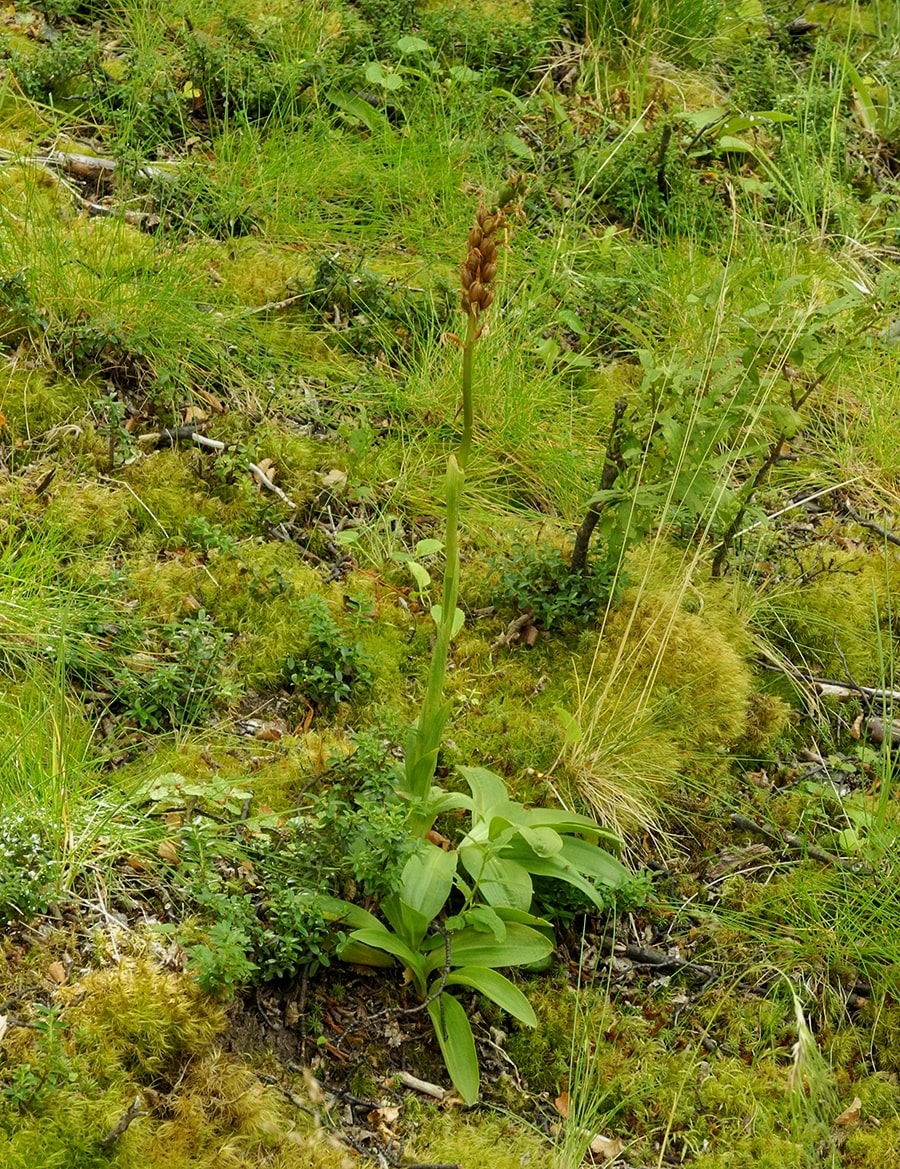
487,788
454,1036
427,879
355,106
383,939
500,882
596,862
497,988
336,910
363,955
521,946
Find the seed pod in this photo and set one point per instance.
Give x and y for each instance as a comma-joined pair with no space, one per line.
475,237
488,249
466,275
476,292
488,272
486,300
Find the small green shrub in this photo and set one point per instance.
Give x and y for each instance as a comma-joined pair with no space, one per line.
541,579
181,689
29,872
331,668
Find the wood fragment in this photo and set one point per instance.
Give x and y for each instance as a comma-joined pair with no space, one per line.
513,630
423,1086
789,840
134,1110
264,481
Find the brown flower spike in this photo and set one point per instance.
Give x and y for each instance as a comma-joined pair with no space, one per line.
480,266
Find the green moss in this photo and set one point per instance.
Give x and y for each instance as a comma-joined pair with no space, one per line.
35,402
836,612
89,514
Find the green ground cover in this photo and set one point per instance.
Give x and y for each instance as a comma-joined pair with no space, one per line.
356,645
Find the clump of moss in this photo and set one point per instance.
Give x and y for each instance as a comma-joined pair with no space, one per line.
89,514
839,608
668,691
35,402
138,1031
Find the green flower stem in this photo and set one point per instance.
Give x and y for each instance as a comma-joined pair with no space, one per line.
434,713
465,445
422,760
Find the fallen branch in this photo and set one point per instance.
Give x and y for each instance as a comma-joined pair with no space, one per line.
885,533
423,1086
790,841
85,166
264,481
612,464
172,435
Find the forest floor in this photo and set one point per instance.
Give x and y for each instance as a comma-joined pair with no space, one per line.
231,359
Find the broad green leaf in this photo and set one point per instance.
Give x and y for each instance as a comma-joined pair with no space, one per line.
565,823
561,870
481,918
420,575
487,788
337,910
571,727
428,547
383,939
500,881
735,145
406,922
413,45
573,320
497,988
441,801
427,879
702,119
373,119
516,146
507,913
865,109
454,1036
594,861
363,955
542,841
386,78
463,74
469,947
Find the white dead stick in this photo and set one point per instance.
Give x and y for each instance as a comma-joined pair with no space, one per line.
266,482
423,1086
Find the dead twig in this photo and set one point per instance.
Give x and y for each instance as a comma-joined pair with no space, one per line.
791,842
611,467
170,436
134,1110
